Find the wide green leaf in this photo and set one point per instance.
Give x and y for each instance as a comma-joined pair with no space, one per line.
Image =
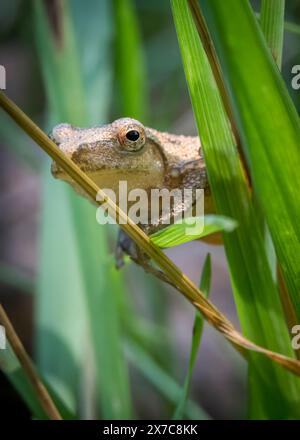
179,233
255,292
272,24
75,275
269,126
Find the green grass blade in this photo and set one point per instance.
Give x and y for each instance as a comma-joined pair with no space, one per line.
130,62
75,277
255,293
60,296
161,380
294,28
196,339
101,284
270,130
178,233
272,24
60,65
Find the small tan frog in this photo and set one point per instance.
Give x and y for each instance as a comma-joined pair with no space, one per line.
145,158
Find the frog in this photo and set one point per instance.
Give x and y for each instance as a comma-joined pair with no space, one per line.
146,158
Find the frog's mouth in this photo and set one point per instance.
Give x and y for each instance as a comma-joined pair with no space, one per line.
60,174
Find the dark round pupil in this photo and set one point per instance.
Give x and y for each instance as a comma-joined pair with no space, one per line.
132,135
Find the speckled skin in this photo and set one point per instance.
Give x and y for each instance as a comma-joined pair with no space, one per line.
155,160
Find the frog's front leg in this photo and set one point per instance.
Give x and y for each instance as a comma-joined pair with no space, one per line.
126,246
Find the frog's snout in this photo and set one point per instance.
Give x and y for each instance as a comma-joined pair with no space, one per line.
59,133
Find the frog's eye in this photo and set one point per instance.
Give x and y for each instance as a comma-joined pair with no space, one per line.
132,135
131,138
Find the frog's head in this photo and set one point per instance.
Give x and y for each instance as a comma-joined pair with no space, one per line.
123,150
